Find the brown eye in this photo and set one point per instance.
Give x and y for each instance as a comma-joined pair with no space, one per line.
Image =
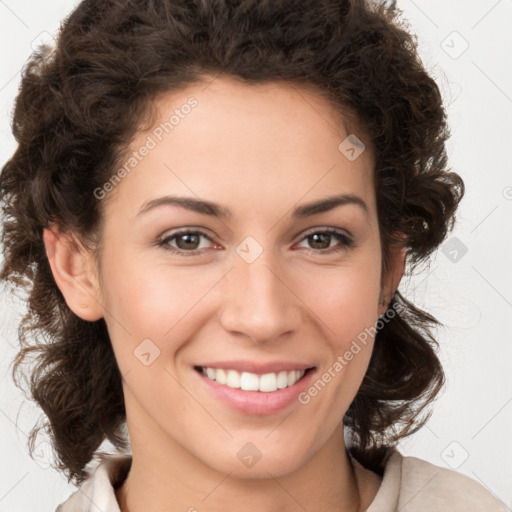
185,242
188,241
321,241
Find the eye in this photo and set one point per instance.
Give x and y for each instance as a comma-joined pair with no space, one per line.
187,242
321,241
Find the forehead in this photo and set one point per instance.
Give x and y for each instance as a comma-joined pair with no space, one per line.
221,134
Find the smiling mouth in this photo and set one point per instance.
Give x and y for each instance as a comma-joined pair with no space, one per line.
247,381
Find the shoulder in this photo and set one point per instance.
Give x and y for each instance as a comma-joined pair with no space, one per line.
426,487
420,486
104,474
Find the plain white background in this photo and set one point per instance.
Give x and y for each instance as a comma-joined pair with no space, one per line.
466,47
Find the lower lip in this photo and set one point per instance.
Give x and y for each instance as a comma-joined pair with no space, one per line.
258,402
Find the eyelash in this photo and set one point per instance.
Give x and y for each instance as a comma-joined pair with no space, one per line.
347,242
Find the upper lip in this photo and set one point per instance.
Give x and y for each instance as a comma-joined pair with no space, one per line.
259,368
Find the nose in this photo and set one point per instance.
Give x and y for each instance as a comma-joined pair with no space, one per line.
259,302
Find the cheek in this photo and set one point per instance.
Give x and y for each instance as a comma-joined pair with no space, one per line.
150,296
345,299
153,301
158,301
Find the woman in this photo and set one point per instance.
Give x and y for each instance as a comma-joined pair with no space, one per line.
298,149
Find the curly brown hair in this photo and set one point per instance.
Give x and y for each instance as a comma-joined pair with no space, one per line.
81,103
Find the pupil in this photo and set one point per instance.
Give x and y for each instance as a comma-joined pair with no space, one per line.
191,240
317,240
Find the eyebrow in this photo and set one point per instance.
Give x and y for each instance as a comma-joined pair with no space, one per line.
221,212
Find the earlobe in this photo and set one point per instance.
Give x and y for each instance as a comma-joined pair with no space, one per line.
396,268
71,267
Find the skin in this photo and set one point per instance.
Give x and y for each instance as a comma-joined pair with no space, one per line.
259,151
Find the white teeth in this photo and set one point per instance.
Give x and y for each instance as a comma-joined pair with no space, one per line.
251,381
248,381
282,379
268,382
232,379
220,376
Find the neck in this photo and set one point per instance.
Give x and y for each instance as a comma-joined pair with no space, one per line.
162,480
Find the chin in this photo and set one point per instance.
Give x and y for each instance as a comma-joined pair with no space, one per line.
249,463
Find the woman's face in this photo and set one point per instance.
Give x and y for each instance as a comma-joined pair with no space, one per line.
264,282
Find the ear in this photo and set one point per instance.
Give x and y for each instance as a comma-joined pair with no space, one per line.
391,280
73,271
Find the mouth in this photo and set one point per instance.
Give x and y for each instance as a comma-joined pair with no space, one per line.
248,381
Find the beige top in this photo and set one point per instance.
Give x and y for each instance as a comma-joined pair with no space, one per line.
409,484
